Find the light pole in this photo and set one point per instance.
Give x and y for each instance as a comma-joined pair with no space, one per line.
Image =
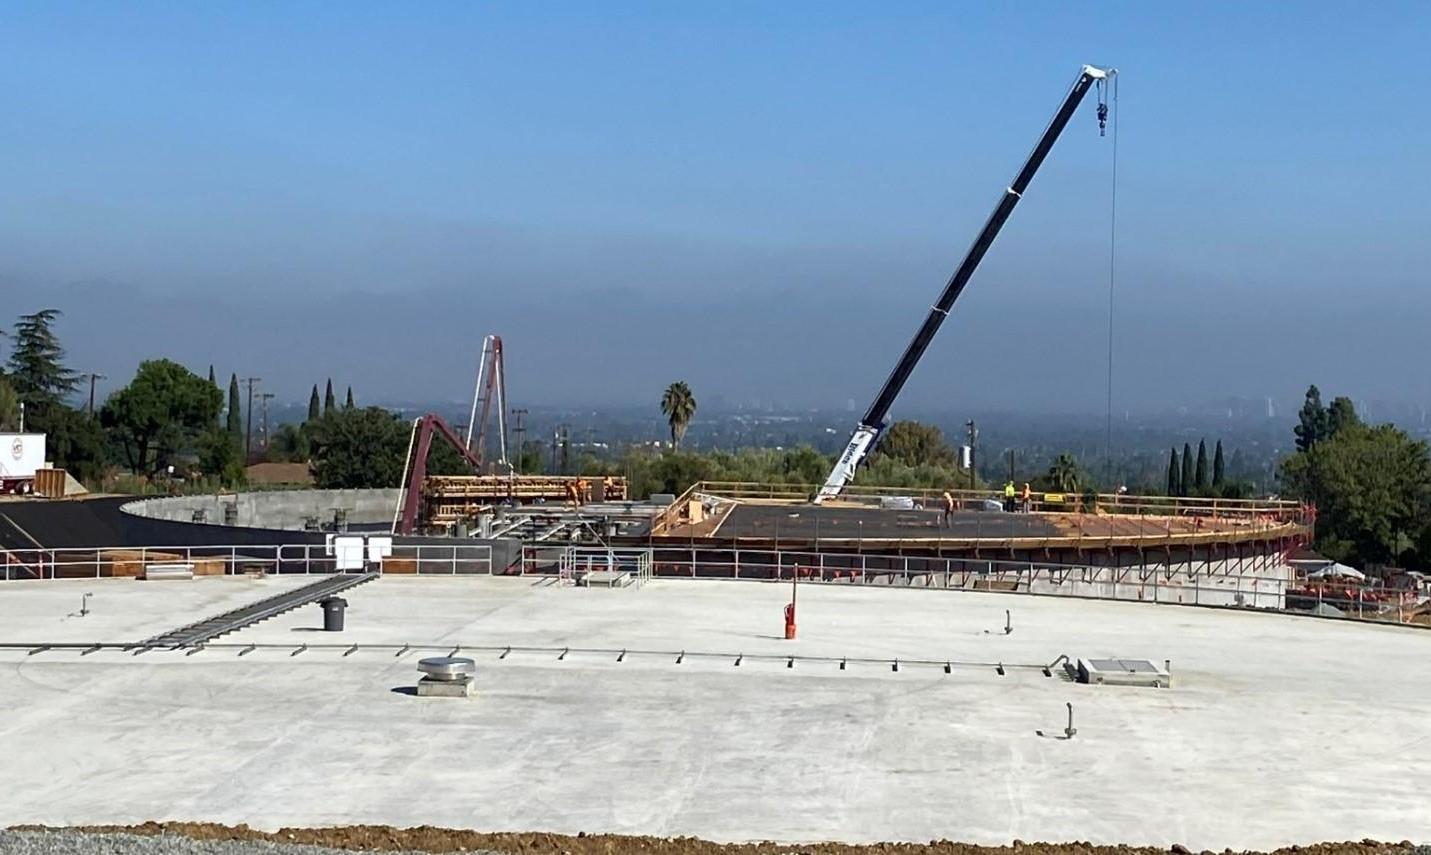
973,444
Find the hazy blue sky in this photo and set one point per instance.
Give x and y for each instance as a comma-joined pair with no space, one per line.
761,199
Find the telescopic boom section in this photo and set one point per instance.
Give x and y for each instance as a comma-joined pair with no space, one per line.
868,430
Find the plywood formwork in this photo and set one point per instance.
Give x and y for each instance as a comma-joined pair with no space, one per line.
451,499
755,516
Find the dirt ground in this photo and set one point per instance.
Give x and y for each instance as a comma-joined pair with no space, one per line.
430,839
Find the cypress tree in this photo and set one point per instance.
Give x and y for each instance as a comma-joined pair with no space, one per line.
348,404
214,381
329,402
235,424
1186,482
1312,421
1174,474
1217,468
313,411
1200,473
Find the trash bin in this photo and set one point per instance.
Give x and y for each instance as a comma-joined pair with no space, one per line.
333,608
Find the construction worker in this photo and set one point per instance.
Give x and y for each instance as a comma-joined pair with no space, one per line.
1009,496
1028,498
948,514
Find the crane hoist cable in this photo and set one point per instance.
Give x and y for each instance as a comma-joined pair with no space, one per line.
1103,112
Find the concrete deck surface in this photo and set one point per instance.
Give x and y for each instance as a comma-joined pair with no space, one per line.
124,610
1279,729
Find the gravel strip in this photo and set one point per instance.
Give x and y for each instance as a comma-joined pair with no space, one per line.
85,843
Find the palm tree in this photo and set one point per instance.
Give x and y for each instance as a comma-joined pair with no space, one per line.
1064,473
679,407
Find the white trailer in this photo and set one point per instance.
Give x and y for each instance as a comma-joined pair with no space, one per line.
20,455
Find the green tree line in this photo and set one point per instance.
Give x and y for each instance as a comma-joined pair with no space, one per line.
1371,485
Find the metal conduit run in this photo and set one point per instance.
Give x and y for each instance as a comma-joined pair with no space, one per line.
230,621
563,653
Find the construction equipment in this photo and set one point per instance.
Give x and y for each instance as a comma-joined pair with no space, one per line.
491,383
870,427
415,467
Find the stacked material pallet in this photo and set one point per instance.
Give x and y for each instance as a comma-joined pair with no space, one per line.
451,499
124,563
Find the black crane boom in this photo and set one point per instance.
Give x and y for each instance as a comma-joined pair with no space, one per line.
873,422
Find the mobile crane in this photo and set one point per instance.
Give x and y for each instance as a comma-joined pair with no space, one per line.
873,423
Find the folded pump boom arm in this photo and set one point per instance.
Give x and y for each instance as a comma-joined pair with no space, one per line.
868,430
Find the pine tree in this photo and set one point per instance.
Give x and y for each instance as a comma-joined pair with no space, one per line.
348,404
329,402
37,370
1218,473
1185,482
313,411
1200,473
1175,481
235,422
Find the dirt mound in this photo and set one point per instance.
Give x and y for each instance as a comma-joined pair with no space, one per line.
432,839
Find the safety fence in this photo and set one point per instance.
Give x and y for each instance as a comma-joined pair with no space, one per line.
615,566
1263,580
1105,514
135,562
1049,501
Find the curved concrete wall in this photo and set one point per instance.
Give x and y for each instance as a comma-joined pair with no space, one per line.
285,509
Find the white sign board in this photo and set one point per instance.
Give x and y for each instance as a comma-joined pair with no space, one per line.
379,548
348,553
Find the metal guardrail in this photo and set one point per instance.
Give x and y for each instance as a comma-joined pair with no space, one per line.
564,654
1260,581
308,558
1113,503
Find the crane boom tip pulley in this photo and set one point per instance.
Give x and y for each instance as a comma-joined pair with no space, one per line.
867,432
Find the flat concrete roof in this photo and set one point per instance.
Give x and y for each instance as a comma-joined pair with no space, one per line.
1278,729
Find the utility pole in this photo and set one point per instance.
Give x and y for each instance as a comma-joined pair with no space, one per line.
248,432
92,377
973,444
263,399
520,429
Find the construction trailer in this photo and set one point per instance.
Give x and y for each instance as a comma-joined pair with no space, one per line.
21,456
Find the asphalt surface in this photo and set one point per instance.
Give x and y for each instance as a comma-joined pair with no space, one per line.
62,524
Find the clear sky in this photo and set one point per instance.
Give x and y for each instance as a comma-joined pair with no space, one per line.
762,199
